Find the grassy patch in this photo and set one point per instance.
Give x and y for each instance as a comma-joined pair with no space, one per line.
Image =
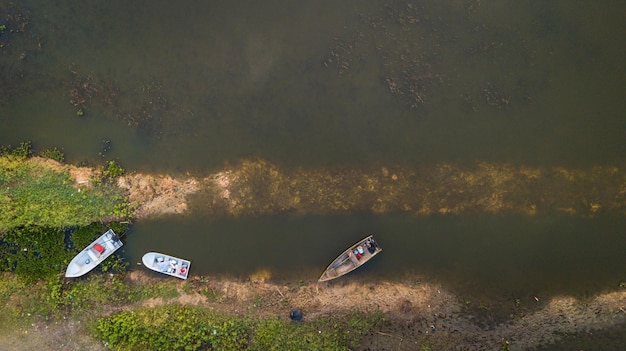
171,327
12,290
32,194
212,295
337,334
178,327
164,290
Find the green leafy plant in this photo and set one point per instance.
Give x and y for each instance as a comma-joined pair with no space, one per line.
113,170
213,295
53,154
23,150
35,252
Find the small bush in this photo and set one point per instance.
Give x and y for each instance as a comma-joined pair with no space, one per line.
53,154
22,151
113,170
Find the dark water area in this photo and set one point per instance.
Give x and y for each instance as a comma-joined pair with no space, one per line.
473,255
180,87
190,86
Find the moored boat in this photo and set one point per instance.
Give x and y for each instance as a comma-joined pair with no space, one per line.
94,254
354,257
166,264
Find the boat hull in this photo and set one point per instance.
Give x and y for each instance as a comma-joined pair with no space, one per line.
349,260
93,254
166,264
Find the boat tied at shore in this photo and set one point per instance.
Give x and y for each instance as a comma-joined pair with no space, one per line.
166,264
354,257
96,252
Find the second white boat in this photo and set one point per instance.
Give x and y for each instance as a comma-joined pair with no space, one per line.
166,264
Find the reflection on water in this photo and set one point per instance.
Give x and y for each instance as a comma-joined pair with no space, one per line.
177,88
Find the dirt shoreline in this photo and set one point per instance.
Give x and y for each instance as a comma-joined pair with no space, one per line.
415,313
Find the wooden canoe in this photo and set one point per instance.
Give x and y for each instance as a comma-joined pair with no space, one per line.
354,257
166,264
93,254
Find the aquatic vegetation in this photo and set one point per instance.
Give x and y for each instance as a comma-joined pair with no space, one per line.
113,170
21,151
34,252
256,187
53,154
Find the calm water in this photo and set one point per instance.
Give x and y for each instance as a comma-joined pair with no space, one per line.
486,254
187,86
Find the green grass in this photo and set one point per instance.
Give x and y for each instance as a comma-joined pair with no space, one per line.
33,195
337,334
171,327
179,327
11,286
164,290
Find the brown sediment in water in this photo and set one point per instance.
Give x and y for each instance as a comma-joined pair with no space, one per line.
157,194
261,188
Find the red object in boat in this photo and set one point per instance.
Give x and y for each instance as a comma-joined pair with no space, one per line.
98,248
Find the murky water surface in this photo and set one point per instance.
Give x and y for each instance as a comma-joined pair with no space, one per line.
176,87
